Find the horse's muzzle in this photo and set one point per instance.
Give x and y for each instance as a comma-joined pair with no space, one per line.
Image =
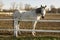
43,17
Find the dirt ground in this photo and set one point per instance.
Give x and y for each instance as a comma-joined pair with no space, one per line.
29,25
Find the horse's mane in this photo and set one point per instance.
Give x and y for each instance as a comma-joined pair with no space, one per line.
37,10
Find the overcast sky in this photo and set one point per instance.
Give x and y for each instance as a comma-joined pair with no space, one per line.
56,3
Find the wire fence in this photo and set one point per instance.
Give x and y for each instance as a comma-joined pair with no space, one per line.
28,30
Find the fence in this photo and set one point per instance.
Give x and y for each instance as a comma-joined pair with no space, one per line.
31,30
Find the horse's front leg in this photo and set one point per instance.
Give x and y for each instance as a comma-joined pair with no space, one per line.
34,24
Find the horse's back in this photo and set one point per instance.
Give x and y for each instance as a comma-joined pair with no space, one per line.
30,15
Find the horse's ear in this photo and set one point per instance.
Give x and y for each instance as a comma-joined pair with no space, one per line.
45,6
41,5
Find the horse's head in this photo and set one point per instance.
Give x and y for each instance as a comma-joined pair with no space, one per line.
41,11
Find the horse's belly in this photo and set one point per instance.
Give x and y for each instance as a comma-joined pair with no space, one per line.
28,18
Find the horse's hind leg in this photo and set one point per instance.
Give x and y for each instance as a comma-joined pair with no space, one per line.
16,28
19,32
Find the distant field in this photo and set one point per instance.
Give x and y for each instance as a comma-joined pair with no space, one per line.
29,25
48,16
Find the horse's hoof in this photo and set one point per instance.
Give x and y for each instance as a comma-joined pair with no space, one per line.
33,33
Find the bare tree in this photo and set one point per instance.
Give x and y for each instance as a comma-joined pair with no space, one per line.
1,5
52,6
53,9
20,6
28,7
13,6
58,10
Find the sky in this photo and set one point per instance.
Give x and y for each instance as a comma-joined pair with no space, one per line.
34,3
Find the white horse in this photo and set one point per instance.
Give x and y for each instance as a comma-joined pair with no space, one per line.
34,14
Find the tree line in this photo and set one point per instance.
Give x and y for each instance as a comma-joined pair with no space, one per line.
27,7
53,9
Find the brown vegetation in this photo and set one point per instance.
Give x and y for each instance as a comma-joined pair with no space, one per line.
29,25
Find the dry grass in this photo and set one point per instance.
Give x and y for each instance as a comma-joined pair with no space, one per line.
29,25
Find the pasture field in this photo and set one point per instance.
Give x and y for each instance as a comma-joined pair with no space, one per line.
30,38
29,25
